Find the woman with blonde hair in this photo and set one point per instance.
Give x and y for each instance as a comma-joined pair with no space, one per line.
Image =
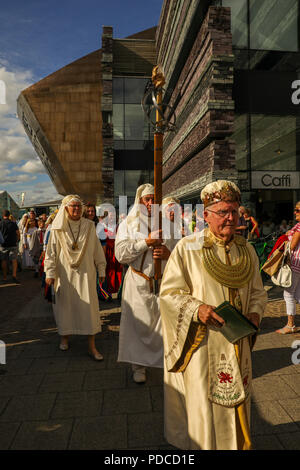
73,256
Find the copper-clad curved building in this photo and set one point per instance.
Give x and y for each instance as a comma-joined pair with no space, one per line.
68,118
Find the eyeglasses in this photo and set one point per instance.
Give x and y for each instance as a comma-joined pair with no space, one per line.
297,210
75,206
224,214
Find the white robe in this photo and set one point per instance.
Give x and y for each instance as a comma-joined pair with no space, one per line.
27,259
200,406
140,339
76,307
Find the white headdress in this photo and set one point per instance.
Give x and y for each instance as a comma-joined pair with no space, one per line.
134,213
61,215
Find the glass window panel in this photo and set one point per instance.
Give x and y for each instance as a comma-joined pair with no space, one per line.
118,121
118,144
134,144
273,142
239,23
118,90
240,138
134,89
119,183
136,126
133,179
274,25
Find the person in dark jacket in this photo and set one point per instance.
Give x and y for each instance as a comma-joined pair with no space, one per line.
9,248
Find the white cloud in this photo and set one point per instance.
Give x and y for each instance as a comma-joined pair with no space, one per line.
37,193
33,166
20,166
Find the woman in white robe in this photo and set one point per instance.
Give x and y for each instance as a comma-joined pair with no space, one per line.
73,255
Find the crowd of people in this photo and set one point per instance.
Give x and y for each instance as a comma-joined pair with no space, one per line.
171,278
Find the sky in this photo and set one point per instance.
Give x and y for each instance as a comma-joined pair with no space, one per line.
37,38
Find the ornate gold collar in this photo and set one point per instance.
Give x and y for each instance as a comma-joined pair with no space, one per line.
233,276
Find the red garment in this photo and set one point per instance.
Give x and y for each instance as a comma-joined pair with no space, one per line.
113,268
279,242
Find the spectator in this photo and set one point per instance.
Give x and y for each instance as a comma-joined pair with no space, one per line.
252,225
291,294
9,249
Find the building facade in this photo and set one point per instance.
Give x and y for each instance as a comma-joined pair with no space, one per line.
8,203
232,70
86,123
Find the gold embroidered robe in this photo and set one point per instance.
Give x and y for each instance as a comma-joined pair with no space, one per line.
204,390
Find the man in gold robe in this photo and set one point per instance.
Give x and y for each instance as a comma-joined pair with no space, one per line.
207,378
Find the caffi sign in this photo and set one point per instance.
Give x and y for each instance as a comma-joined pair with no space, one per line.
275,180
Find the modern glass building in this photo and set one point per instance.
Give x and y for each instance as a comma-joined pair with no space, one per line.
234,83
265,39
133,137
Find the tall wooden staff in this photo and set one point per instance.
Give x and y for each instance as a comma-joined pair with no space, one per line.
154,93
158,81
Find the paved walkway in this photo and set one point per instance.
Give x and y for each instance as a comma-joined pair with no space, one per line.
50,399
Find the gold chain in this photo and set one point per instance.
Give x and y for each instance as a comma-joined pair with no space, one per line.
235,275
74,244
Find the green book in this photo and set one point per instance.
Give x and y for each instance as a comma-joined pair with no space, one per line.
236,326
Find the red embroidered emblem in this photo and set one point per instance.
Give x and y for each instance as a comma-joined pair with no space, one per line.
245,381
225,377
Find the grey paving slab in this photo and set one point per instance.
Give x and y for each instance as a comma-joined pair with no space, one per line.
267,442
145,430
85,363
268,417
18,366
292,407
3,403
77,404
19,384
290,441
105,432
29,407
105,379
43,435
294,382
39,349
157,398
125,401
275,361
271,388
69,381
7,434
48,365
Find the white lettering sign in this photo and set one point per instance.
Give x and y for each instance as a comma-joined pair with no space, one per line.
2,92
275,180
2,352
296,94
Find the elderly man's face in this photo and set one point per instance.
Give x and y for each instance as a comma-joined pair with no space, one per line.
170,212
222,219
147,201
74,210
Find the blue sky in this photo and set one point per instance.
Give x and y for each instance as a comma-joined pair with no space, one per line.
37,38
